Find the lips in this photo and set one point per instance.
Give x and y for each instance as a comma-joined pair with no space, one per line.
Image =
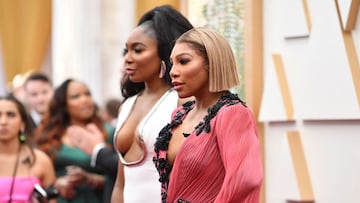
130,71
177,85
87,109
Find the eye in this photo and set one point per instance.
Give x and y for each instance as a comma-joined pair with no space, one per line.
184,61
137,50
11,114
74,96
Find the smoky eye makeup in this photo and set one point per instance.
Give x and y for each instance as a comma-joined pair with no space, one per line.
137,50
184,61
138,47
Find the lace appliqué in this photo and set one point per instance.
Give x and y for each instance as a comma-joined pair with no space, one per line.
162,141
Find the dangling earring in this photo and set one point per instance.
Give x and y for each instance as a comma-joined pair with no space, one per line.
162,69
22,137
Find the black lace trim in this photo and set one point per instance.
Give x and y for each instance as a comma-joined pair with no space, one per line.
162,141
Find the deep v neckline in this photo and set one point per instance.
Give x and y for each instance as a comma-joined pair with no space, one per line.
163,140
140,125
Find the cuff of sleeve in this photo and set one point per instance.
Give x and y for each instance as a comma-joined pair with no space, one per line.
95,152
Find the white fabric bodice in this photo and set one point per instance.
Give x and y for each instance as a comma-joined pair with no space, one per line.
142,179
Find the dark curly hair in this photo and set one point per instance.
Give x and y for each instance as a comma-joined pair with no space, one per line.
168,24
57,119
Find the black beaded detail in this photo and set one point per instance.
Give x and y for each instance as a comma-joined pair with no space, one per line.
162,141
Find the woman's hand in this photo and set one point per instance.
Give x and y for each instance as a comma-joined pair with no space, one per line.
85,138
65,189
76,175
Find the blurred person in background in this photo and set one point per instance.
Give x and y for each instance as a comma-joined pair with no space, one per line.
110,111
73,105
21,166
16,87
103,155
38,93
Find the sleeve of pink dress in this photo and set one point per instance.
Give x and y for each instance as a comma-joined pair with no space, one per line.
240,152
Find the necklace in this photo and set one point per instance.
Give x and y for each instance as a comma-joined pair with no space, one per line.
14,174
163,140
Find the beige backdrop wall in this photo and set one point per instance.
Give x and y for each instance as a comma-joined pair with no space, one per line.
310,105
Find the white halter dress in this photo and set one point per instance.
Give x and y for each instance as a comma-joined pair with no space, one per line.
141,177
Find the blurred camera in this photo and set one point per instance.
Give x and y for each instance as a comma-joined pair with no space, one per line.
42,195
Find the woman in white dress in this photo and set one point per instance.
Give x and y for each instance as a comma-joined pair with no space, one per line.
149,101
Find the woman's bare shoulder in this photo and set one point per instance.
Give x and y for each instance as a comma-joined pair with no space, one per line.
42,156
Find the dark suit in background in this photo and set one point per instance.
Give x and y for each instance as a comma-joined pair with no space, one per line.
107,162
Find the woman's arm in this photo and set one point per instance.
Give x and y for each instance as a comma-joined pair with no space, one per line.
117,194
48,172
239,148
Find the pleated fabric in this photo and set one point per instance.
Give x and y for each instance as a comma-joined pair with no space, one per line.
221,166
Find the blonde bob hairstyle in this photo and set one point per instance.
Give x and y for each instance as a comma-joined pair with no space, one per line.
217,55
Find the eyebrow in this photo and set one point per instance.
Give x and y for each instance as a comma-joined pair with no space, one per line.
182,54
135,44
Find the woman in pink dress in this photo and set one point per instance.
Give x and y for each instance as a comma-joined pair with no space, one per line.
21,166
210,150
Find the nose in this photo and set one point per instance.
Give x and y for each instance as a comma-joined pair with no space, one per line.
127,58
3,120
173,72
42,97
86,99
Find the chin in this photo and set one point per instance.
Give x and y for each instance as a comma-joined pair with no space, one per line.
183,95
134,79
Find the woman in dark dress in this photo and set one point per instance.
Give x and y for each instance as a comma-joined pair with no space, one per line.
71,105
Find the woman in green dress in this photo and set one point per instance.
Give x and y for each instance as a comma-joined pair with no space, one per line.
77,181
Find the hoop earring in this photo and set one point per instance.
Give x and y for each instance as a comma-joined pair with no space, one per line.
22,137
162,69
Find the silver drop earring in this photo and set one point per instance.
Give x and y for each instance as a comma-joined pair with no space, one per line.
162,69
